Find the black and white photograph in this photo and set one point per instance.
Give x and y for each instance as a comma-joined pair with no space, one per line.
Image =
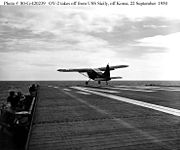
89,75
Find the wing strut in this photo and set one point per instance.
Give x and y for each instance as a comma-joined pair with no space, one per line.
85,76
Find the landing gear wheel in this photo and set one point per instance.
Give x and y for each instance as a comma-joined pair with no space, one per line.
86,82
99,82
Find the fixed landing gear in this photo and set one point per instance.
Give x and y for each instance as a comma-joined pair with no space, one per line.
99,82
87,82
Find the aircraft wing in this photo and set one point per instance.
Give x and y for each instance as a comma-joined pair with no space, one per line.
75,70
88,69
113,67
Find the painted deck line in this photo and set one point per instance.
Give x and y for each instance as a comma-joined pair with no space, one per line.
67,90
56,87
130,89
169,89
146,87
101,90
139,87
85,93
155,88
136,90
164,109
123,86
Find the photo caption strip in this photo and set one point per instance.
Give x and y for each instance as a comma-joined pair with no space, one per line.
99,3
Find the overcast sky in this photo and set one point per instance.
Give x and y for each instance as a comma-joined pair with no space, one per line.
36,41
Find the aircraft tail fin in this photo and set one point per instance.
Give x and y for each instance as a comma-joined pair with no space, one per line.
106,73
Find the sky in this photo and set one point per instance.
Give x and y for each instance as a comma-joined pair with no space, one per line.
36,41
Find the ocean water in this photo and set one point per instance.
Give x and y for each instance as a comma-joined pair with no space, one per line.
146,83
6,86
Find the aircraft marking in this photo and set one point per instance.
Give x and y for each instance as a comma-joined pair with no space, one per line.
85,93
164,109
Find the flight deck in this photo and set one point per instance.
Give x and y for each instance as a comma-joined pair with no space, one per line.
106,117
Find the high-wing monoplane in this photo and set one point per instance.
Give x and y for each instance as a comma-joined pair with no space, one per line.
96,74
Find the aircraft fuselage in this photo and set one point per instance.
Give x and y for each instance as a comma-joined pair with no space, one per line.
97,76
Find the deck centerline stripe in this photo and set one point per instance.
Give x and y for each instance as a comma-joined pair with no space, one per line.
164,109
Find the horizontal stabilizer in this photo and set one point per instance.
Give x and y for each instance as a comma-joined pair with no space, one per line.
113,67
116,77
100,79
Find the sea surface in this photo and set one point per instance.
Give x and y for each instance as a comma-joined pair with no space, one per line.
6,86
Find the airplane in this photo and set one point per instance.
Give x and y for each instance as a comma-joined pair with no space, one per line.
96,74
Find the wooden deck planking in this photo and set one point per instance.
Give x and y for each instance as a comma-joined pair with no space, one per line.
62,122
